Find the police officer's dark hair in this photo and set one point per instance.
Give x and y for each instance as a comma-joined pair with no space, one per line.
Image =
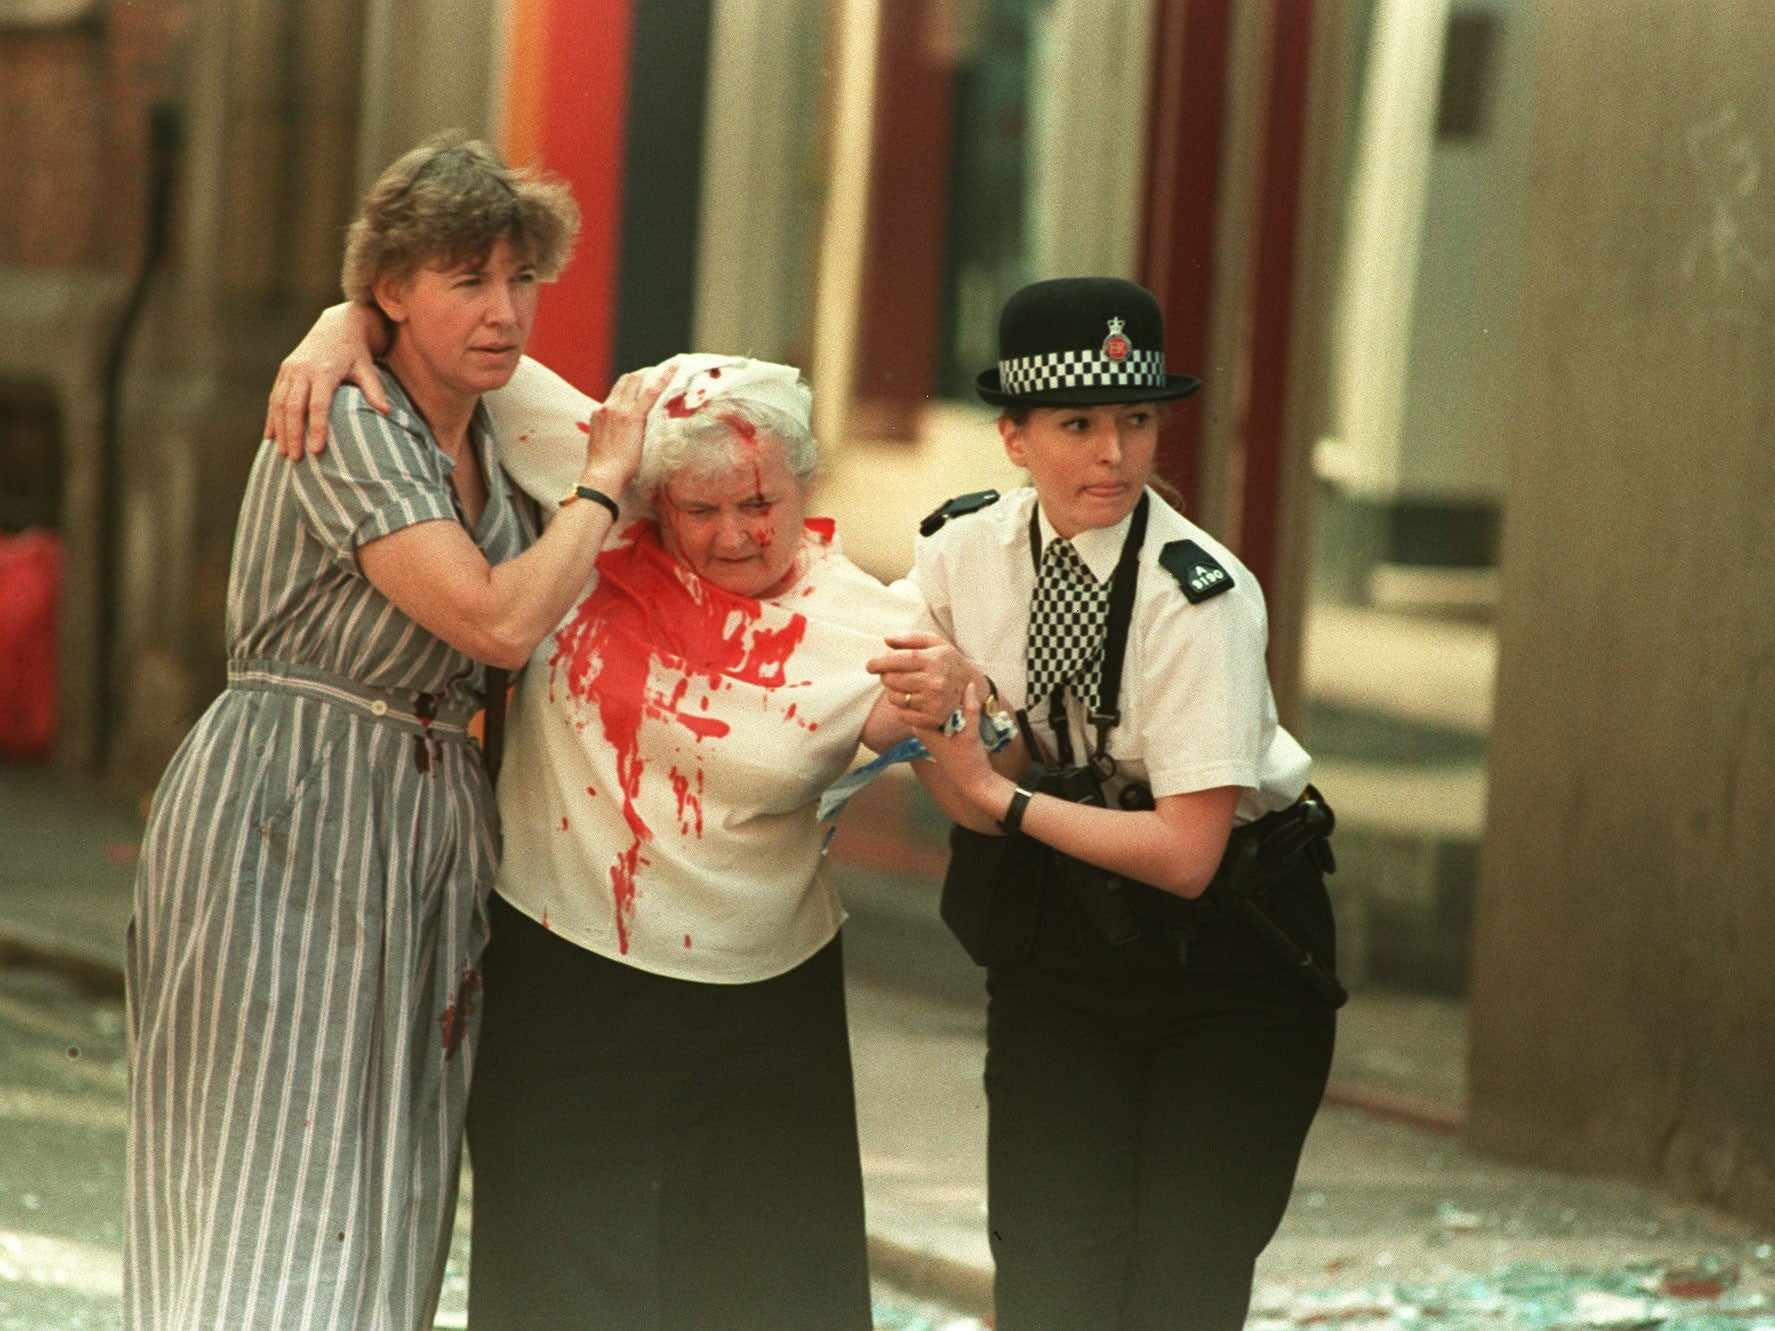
1018,414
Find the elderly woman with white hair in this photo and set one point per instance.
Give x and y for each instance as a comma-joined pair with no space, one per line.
662,1123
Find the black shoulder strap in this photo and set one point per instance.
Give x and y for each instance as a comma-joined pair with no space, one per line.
955,508
1115,637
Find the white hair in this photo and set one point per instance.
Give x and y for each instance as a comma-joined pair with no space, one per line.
713,407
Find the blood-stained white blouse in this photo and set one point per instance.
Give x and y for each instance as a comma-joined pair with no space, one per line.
666,748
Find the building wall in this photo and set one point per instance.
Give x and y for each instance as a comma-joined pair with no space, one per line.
74,104
429,65
1412,463
265,185
75,95
1623,1005
1463,317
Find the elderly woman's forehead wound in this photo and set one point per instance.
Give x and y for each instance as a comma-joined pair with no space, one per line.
712,404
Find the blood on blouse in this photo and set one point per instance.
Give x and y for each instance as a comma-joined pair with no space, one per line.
650,634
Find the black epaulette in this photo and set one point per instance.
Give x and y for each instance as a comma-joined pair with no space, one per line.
1195,569
957,507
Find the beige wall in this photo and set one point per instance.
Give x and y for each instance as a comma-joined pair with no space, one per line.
428,65
265,187
1623,1001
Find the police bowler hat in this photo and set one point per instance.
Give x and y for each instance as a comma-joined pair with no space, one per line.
1081,342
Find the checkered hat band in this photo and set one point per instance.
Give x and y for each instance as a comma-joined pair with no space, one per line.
1081,369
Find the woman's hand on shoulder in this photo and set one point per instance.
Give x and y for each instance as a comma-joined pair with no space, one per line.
341,347
618,426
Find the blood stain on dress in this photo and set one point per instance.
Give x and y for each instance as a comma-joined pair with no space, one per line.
425,711
681,792
457,1014
690,802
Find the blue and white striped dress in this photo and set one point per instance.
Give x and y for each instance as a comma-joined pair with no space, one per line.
309,916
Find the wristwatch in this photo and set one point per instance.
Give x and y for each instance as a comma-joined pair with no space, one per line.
579,492
1013,819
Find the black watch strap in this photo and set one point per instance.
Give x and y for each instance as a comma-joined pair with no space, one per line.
1012,822
598,497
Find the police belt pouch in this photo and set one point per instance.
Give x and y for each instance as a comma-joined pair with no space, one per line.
1010,899
992,894
997,888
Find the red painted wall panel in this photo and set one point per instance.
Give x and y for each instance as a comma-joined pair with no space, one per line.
1189,77
583,106
1270,321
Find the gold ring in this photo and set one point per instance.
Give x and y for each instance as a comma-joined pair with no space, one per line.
907,701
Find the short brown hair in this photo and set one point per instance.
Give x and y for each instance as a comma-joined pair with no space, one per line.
450,200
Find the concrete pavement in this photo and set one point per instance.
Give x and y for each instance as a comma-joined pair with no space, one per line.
67,862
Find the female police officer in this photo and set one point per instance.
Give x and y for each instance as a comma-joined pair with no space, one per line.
1153,1063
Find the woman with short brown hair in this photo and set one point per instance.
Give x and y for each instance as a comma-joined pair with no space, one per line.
311,902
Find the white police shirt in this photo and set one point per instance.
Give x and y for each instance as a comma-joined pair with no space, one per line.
1197,710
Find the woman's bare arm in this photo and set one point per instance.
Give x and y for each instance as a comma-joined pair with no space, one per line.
437,576
497,613
1176,846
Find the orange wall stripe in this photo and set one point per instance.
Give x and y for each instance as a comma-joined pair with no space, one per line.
525,55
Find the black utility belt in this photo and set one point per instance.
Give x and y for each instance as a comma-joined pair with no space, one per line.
1260,853
1258,857
994,891
1261,856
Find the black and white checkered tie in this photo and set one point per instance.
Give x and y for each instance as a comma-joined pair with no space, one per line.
1067,616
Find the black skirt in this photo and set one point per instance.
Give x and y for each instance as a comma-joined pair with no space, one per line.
661,1153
